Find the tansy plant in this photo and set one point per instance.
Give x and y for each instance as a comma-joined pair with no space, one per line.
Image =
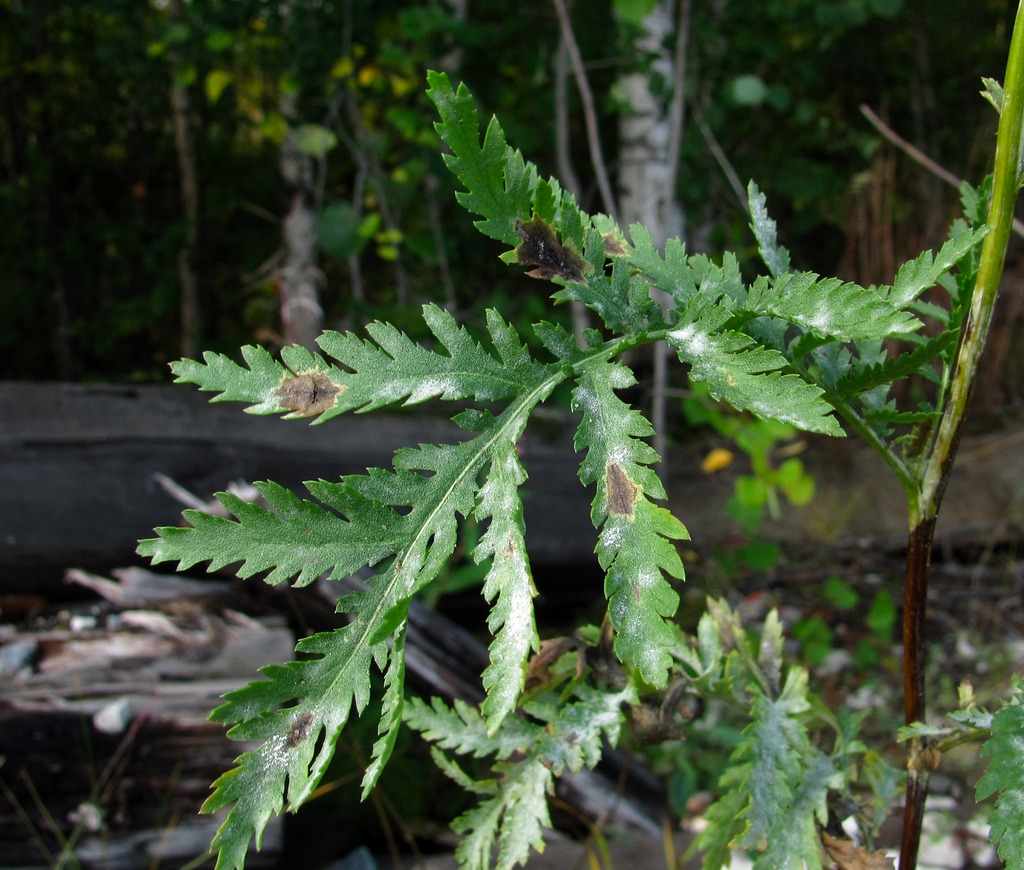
790,346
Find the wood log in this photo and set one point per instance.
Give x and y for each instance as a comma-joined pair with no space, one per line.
78,463
78,466
106,742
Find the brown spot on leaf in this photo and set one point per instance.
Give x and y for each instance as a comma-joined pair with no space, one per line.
623,494
309,394
300,729
613,245
540,248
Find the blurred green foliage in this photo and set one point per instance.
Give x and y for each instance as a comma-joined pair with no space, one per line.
90,193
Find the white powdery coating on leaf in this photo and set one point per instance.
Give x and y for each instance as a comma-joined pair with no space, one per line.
505,503
586,400
821,321
275,753
520,612
620,378
431,387
612,536
619,455
498,501
651,657
768,411
647,579
391,392
693,341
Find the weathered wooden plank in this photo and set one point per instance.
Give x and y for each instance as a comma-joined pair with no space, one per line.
77,487
77,466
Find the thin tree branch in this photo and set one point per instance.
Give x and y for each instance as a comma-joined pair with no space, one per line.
739,191
920,157
563,160
676,119
589,112
184,139
677,108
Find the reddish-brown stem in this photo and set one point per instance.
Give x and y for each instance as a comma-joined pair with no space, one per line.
919,556
915,604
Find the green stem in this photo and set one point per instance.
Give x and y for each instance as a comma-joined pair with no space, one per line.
1005,184
859,425
924,501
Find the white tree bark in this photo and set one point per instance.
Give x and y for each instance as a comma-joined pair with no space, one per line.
649,132
646,170
301,314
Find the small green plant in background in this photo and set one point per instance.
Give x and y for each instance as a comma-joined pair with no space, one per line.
818,640
756,496
791,348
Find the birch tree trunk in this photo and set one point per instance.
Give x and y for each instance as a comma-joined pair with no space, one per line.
301,314
649,136
647,166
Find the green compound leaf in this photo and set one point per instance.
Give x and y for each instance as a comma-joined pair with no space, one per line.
769,349
797,842
522,209
724,823
294,538
391,711
397,368
513,812
508,584
297,740
623,300
828,308
389,370
636,544
461,729
1005,776
298,709
917,275
498,181
514,818
745,374
774,795
777,746
775,257
673,273
259,384
867,377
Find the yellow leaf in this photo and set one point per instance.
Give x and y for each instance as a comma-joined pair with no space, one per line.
342,68
216,81
716,460
400,85
368,75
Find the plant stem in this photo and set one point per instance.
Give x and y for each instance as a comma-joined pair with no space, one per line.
915,599
924,507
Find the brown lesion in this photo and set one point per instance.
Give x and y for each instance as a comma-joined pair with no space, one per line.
614,246
622,493
308,394
540,248
301,729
